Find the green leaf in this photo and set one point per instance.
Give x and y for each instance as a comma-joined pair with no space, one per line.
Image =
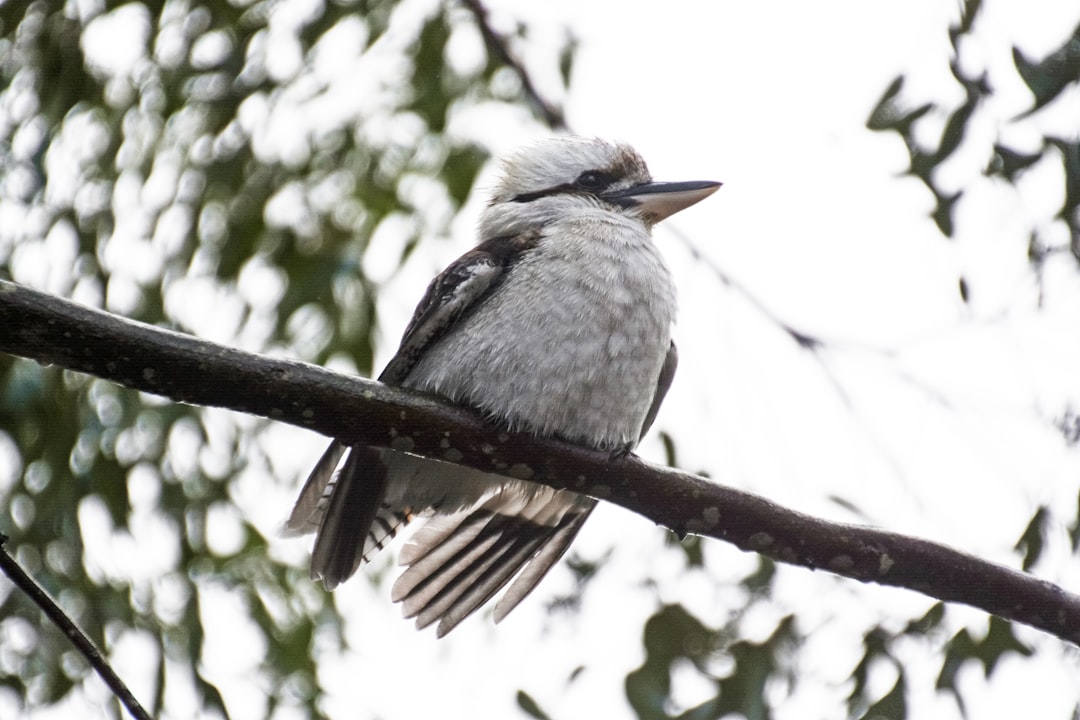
893,705
1009,164
670,634
1074,528
1070,162
943,211
953,133
999,641
530,706
930,621
1048,78
210,695
756,664
670,456
889,114
1033,538
875,647
968,13
566,60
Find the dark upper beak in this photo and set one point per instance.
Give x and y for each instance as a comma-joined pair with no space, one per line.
658,200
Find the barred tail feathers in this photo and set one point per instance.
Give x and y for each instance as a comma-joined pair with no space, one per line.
388,522
352,519
457,562
307,513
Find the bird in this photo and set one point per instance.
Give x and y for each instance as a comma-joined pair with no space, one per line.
557,323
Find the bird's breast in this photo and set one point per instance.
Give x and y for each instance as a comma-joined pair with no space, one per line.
569,344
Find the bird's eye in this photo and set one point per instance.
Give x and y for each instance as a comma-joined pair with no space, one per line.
592,180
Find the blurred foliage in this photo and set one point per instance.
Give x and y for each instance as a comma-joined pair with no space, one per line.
196,164
1009,148
675,641
1051,80
880,647
1032,542
530,707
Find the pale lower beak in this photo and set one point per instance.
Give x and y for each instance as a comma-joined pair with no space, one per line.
659,200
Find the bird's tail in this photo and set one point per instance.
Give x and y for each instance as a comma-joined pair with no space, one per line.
347,512
458,561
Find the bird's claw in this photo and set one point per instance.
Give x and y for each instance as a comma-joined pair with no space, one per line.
620,452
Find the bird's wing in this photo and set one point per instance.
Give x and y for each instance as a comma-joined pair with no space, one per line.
452,294
457,562
346,509
663,383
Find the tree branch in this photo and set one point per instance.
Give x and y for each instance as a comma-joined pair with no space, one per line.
77,637
49,329
499,46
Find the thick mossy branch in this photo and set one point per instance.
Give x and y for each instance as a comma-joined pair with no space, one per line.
52,330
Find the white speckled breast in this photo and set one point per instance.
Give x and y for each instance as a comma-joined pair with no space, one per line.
571,342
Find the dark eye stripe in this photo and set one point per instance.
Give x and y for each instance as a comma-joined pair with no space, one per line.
590,181
557,190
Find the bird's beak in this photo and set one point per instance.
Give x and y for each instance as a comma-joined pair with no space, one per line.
659,200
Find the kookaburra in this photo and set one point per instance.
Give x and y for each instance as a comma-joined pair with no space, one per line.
557,323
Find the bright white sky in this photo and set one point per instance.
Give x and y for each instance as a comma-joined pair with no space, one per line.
947,434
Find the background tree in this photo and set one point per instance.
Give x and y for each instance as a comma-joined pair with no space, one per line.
182,163
213,179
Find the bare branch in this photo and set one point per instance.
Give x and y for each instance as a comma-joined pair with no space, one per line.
77,637
500,47
53,330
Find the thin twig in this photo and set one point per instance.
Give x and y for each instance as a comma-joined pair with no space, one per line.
500,46
78,638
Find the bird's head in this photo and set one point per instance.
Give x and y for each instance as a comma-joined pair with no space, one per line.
553,178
